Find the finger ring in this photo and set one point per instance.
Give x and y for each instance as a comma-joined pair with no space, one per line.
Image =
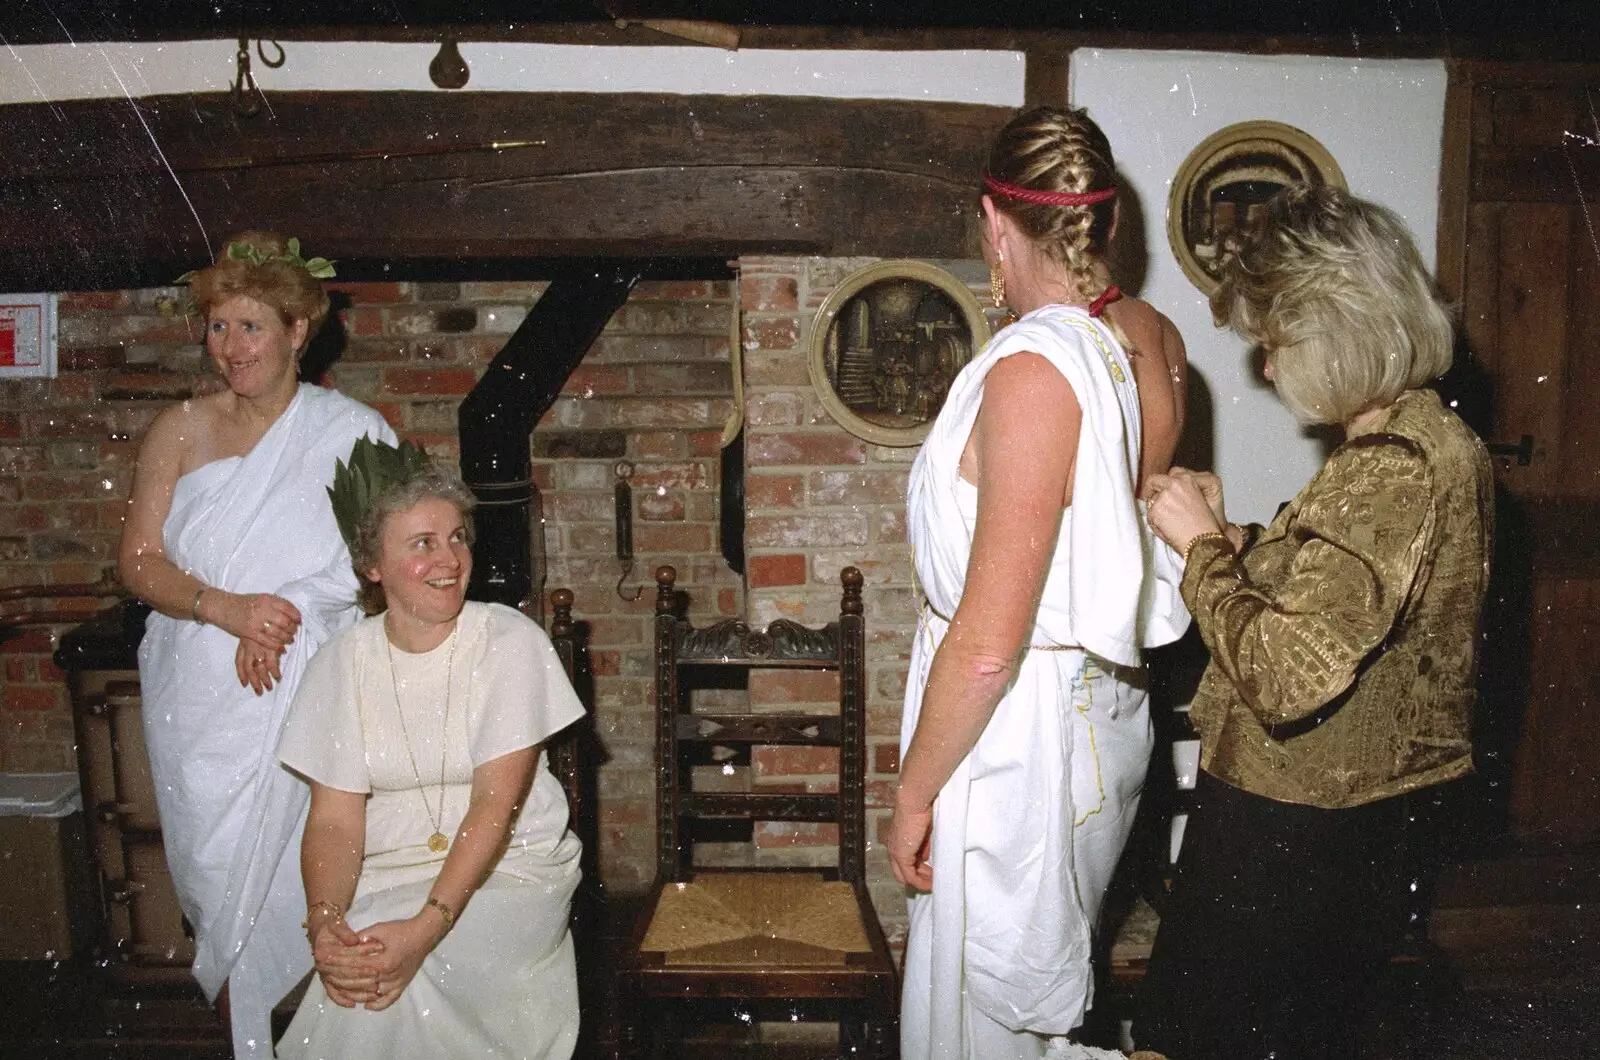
267,624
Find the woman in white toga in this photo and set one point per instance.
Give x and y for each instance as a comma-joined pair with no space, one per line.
438,866
230,539
1025,737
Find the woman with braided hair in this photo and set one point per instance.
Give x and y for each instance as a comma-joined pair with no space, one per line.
1026,737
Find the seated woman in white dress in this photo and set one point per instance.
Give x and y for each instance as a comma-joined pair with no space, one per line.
438,866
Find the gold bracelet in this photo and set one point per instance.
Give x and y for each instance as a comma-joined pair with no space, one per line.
1211,535
444,911
329,906
194,606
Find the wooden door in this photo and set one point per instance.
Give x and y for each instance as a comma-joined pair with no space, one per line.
1519,246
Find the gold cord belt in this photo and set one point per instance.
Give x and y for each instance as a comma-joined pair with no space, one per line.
928,606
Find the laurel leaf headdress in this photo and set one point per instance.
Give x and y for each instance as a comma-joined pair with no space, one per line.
374,468
320,268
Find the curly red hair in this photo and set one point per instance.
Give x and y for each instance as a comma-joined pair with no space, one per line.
286,287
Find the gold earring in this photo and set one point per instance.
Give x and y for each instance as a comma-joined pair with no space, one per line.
997,283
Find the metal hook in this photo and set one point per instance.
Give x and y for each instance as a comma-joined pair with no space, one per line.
638,590
246,93
624,517
246,96
261,53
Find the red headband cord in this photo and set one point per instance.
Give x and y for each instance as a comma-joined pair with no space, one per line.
1048,198
1060,198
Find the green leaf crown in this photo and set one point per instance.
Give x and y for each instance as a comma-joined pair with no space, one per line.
320,268
374,469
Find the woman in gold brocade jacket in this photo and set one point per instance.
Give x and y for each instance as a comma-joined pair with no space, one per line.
1343,645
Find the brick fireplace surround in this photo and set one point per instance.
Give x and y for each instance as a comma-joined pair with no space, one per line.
660,377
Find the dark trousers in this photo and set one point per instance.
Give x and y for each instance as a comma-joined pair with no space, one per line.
1279,917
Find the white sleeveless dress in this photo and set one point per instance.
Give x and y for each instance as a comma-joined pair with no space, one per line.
1028,829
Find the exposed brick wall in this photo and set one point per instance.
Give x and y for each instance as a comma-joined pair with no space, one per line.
660,373
67,447
820,499
657,383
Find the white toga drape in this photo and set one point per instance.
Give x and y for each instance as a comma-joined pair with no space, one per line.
230,814
1028,829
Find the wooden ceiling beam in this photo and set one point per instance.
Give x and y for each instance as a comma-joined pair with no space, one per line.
106,197
1482,44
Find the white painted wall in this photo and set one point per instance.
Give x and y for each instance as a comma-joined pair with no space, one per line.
1381,119
35,73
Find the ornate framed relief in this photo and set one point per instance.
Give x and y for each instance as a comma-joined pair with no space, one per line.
1224,184
887,343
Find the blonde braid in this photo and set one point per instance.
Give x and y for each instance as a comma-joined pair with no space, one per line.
1051,149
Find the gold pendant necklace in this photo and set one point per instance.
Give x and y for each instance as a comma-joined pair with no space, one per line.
437,842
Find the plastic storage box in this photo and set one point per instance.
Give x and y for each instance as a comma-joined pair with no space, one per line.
47,905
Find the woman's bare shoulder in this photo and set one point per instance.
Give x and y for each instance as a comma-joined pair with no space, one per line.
1150,330
184,429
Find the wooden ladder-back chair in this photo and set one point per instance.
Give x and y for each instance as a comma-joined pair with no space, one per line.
565,746
573,750
573,754
796,943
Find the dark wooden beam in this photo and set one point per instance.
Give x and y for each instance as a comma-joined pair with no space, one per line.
1454,170
1567,174
105,193
1532,133
1548,30
1046,79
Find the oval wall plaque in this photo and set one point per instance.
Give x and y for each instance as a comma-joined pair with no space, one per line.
1224,184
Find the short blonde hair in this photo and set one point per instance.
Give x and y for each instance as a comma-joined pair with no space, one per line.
1333,289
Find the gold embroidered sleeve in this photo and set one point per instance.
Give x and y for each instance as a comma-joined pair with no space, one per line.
1291,625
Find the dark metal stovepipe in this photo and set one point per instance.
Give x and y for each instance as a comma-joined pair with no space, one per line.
497,417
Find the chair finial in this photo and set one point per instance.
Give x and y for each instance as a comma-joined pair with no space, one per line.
852,580
561,620
666,597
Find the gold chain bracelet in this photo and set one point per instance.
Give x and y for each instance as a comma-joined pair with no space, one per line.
444,911
1211,535
329,906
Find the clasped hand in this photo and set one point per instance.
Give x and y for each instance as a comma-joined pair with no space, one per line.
1184,504
374,966
258,668
265,625
346,963
403,944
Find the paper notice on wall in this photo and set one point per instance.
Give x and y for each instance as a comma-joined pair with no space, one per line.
28,335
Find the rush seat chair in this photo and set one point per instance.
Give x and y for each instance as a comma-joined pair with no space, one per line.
756,944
